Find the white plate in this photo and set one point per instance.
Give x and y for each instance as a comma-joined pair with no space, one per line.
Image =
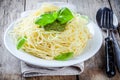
91,49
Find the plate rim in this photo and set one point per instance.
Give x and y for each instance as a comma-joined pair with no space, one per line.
50,63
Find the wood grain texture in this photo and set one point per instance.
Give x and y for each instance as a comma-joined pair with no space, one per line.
89,7
116,7
9,65
52,78
32,4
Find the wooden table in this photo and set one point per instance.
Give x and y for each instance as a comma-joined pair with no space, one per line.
10,66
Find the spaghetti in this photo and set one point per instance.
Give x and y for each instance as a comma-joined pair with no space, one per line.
48,44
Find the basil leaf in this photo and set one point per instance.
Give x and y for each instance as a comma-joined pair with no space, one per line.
55,26
46,18
64,15
64,56
21,42
55,20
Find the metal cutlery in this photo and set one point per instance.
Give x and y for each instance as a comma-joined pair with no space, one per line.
116,45
104,22
118,29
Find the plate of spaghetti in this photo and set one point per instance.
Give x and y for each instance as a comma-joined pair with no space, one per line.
54,35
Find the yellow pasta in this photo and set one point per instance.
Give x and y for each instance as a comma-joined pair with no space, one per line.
48,44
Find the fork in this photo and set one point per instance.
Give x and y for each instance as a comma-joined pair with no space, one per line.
104,21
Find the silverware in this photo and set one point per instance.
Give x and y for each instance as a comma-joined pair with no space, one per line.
118,29
104,22
116,45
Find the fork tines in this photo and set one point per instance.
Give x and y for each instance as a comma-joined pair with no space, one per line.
107,19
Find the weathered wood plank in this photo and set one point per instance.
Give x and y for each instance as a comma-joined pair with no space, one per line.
89,7
32,4
94,67
116,7
9,65
53,78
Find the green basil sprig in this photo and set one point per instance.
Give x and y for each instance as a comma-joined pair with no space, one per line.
64,15
55,20
64,56
46,18
21,42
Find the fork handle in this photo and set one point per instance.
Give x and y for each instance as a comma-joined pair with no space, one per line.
117,51
110,66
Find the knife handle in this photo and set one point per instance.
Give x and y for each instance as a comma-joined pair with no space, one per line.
117,51
118,29
110,65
